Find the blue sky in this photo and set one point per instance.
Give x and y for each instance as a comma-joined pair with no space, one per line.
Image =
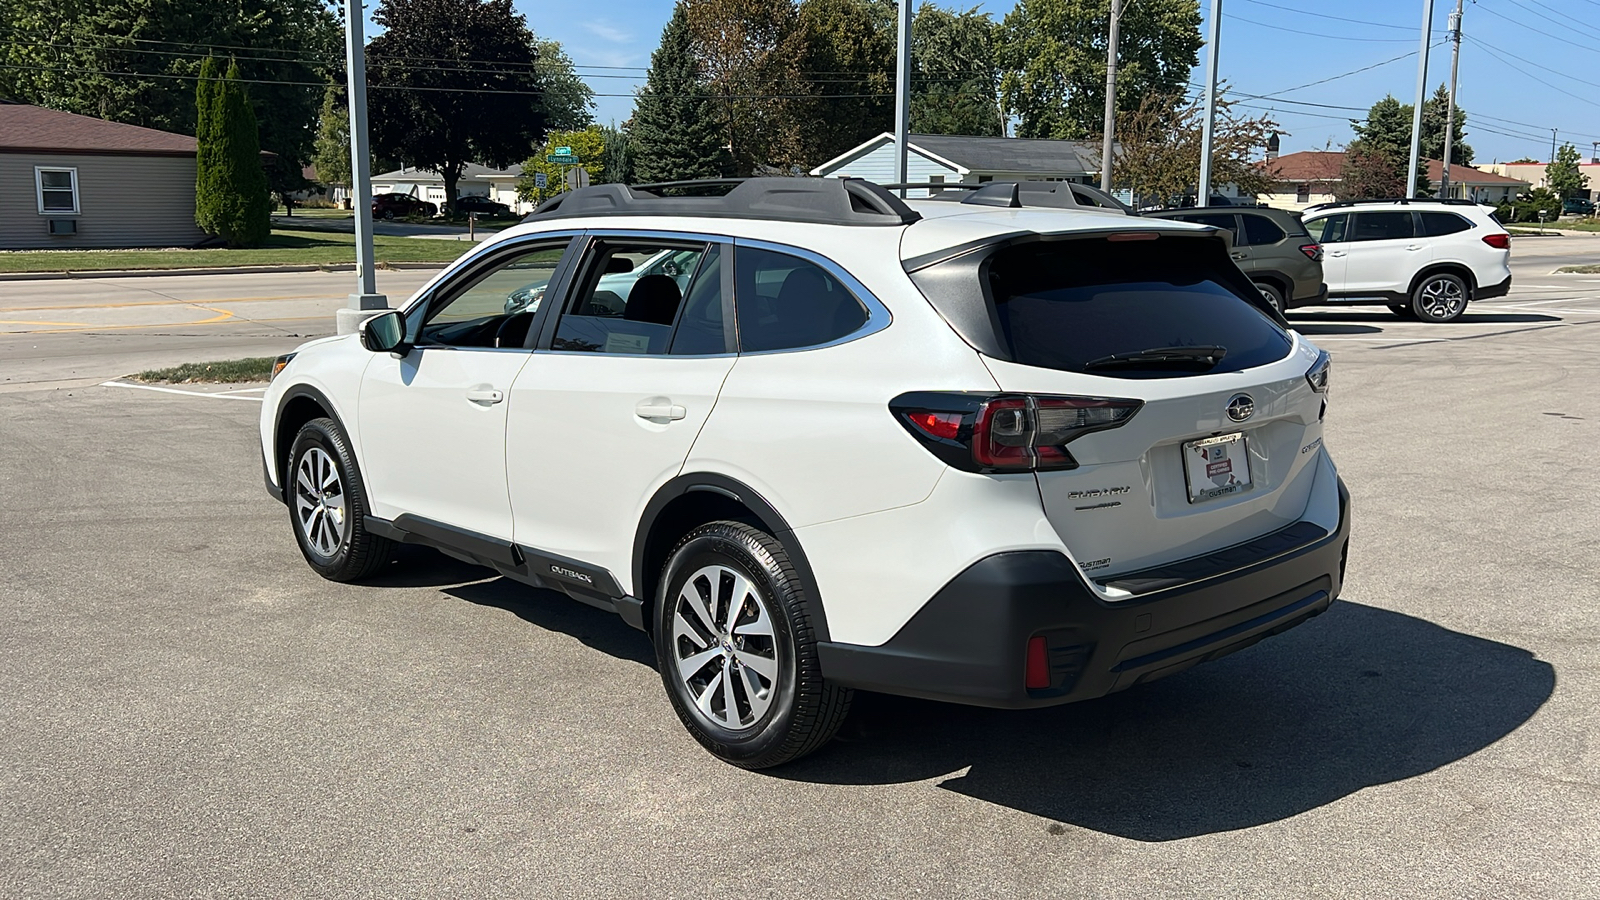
1528,81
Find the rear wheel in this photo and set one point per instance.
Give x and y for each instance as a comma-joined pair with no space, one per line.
328,506
736,650
1439,298
1272,295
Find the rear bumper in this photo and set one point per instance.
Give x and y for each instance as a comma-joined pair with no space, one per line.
1311,298
1489,291
969,643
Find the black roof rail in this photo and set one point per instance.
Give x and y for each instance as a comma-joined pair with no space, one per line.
1403,201
1021,194
828,201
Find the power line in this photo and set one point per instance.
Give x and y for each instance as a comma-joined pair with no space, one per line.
1303,12
1334,37
1347,74
1569,22
1510,65
1547,34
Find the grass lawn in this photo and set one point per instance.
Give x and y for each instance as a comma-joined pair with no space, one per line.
285,247
314,212
230,371
1580,270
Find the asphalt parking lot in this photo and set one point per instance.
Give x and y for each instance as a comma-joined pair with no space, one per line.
187,710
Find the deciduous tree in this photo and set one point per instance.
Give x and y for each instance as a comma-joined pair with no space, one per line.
452,82
845,64
747,51
1563,175
955,81
1160,148
568,102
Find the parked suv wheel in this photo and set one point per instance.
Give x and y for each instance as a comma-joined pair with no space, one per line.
328,506
1439,298
1272,295
736,650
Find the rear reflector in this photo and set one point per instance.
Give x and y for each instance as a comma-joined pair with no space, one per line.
1038,675
1501,241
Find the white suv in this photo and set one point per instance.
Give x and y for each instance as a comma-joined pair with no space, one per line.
971,451
1422,258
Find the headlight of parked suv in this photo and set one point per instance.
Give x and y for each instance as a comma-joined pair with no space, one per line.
1317,375
279,364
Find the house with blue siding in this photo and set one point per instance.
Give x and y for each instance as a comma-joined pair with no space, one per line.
967,159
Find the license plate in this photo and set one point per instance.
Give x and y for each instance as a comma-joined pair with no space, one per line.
1216,466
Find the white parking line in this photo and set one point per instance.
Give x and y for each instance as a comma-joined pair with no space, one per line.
163,390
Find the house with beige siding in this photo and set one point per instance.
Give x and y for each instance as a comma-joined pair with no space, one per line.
967,159
70,181
1312,177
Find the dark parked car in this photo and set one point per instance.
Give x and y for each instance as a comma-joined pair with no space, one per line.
482,206
388,206
1577,206
1271,246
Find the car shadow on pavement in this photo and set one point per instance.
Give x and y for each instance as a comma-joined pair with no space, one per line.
1304,322
1314,328
1354,698
553,611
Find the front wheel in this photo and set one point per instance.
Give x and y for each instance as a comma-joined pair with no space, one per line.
736,650
328,506
1439,298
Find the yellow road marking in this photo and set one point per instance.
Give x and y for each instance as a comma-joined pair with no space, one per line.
76,327
11,309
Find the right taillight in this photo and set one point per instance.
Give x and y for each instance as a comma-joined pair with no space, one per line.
1313,252
1498,240
1007,432
1317,375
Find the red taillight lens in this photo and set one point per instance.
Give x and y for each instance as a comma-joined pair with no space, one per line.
1038,674
1003,437
943,425
1313,252
1501,241
1009,432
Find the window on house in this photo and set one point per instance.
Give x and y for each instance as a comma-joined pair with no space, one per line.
935,179
1302,193
58,191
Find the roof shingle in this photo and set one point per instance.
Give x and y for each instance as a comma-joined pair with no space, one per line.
35,128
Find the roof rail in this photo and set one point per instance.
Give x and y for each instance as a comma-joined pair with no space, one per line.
828,201
1022,194
1403,201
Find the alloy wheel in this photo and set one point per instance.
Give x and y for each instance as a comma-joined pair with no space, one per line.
1441,299
724,648
319,502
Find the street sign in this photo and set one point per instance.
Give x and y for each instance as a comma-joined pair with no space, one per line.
540,179
562,151
562,156
578,178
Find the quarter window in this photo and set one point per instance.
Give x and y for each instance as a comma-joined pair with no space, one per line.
1438,224
57,191
630,297
1260,230
786,302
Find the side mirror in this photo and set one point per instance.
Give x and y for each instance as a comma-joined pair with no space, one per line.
385,332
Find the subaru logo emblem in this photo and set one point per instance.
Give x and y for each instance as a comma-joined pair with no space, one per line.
1241,407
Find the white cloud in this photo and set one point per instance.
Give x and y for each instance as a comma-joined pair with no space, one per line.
608,32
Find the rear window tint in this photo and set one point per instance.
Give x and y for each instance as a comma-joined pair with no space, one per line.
1438,224
784,302
1067,304
1260,230
1383,226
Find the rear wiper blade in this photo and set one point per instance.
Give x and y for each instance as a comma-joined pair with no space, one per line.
1206,355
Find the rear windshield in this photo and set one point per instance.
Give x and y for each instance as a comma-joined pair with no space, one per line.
1129,309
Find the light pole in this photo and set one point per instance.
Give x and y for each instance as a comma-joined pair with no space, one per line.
366,301
1111,96
1422,87
1207,133
902,95
1450,101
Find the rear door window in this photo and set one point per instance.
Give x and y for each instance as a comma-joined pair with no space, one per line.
1383,226
1225,221
1329,230
629,297
1260,230
1131,309
1439,224
785,302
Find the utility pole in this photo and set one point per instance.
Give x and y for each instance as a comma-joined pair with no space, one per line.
366,301
1111,96
1207,134
1450,101
1552,145
902,96
1422,88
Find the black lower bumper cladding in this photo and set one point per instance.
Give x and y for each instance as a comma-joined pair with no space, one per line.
969,643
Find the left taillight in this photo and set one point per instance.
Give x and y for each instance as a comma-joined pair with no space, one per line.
1312,251
1006,432
279,364
1498,240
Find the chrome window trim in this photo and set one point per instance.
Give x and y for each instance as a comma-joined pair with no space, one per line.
878,315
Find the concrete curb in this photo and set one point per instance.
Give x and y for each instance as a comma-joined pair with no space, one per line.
213,270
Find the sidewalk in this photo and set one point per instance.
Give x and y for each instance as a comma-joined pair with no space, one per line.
388,229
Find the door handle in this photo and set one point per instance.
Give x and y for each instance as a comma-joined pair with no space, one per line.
1415,246
659,408
484,395
1240,255
1336,253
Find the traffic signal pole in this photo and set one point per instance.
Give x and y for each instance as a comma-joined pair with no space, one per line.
366,301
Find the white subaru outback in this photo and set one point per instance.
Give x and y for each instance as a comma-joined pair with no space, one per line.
1003,451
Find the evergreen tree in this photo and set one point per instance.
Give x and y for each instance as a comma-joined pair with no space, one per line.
676,128
617,156
1433,110
240,205
1375,162
206,93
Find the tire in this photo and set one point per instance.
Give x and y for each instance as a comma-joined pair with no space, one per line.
1401,310
762,658
1272,295
1440,297
388,215
328,506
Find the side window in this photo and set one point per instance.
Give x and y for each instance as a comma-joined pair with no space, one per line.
700,328
1438,224
1261,230
1383,226
1217,220
629,297
494,307
1329,230
57,190
785,302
